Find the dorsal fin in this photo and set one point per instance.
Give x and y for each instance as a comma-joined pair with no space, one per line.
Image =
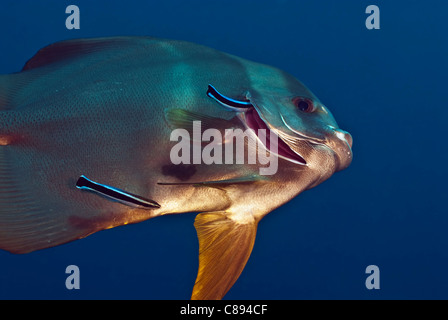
69,49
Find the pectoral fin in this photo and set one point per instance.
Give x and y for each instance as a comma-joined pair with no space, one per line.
181,118
225,245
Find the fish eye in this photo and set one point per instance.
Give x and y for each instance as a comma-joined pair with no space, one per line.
303,104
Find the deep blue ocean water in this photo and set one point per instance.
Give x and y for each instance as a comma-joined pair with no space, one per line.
387,87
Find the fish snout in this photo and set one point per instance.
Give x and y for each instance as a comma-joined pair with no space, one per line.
341,142
344,135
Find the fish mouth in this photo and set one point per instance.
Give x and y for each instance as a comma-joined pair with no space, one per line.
253,121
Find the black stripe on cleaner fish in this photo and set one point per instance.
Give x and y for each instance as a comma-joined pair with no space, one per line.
227,102
125,197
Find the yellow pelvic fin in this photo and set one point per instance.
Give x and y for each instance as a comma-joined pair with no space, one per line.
224,248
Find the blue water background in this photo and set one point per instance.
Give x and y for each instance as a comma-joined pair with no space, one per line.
386,87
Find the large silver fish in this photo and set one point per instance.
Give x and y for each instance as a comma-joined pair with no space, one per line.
86,144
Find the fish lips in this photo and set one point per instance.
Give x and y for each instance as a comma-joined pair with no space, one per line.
253,121
341,142
337,141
